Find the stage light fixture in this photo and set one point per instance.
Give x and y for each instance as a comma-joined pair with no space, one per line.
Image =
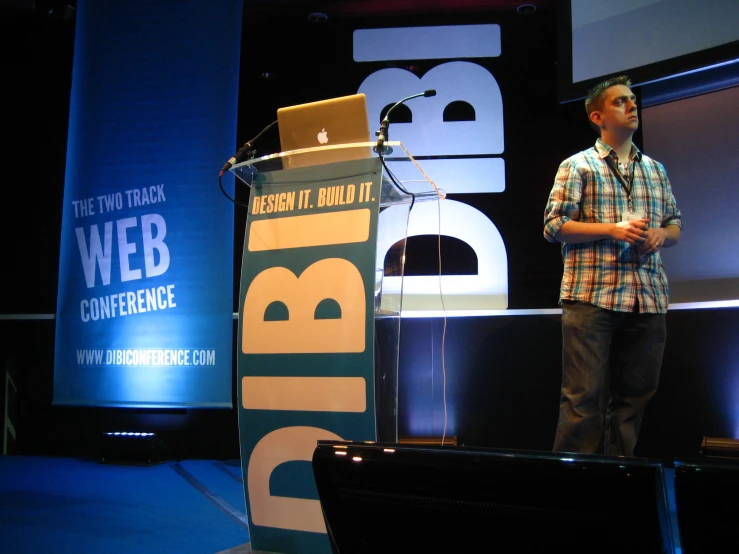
131,447
429,441
716,447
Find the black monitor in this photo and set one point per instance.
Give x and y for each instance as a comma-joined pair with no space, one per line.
444,499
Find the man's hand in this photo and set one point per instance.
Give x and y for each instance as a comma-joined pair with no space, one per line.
654,241
634,231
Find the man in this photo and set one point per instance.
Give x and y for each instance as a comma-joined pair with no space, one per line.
613,210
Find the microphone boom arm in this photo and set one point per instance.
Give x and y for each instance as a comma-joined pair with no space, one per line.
383,134
244,150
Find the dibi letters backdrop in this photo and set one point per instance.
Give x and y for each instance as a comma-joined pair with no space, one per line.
144,310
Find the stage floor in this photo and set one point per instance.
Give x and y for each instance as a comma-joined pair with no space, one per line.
81,506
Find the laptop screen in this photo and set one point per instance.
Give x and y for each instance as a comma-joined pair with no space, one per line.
341,120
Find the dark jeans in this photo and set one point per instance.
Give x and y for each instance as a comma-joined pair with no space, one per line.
606,355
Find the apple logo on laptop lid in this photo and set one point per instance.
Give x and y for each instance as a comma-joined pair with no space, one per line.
323,136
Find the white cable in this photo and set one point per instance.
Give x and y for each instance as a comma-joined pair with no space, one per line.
443,334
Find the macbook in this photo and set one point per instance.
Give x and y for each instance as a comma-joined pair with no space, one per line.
335,121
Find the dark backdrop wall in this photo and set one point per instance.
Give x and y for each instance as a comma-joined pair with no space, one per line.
498,381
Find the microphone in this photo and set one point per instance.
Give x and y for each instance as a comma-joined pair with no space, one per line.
245,150
382,134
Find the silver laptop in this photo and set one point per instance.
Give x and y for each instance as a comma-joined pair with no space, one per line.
341,120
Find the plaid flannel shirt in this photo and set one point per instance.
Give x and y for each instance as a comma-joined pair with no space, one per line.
608,273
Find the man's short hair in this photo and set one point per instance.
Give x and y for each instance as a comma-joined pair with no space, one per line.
594,101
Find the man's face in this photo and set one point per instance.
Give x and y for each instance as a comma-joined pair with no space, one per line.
618,111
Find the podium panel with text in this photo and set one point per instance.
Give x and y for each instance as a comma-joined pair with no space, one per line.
318,338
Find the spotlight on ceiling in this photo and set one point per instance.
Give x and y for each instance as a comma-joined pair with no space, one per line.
526,9
317,17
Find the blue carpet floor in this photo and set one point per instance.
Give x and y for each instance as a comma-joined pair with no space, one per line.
72,505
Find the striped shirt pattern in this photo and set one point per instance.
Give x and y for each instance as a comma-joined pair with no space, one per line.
608,273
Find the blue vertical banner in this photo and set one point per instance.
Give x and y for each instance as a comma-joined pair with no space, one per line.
145,299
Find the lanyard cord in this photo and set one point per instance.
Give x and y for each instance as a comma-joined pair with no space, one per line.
627,186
